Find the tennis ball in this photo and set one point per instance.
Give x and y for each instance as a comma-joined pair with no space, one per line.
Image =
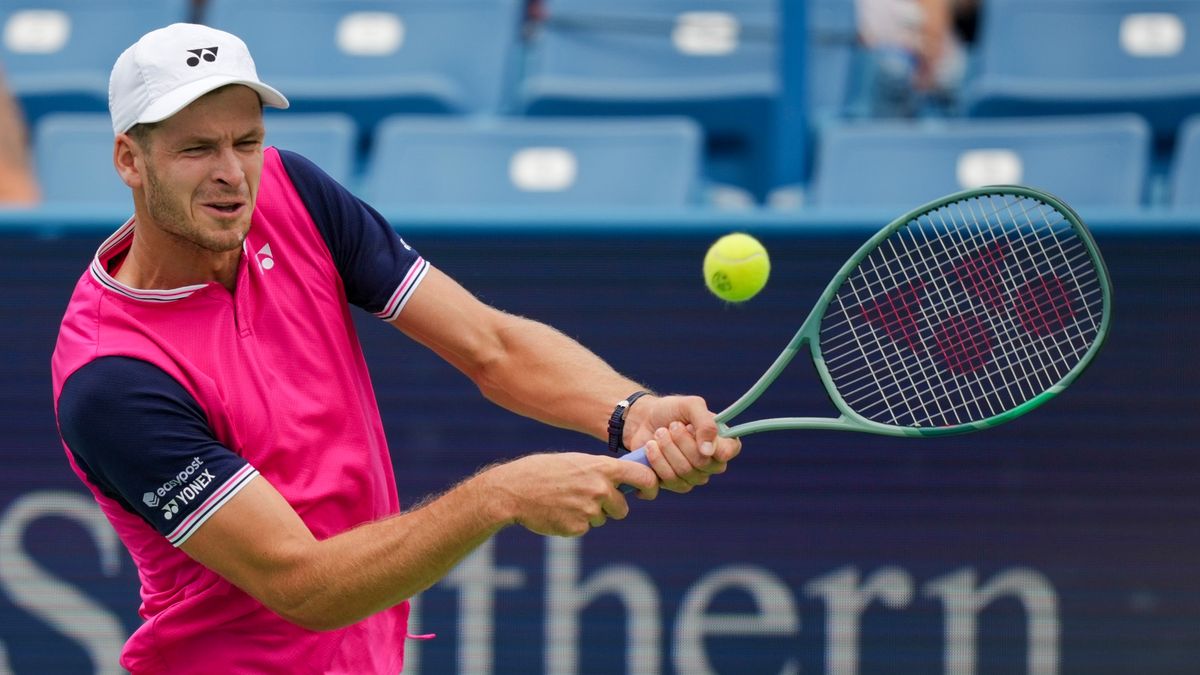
736,267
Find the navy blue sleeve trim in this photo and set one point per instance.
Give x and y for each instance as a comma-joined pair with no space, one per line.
378,268
145,442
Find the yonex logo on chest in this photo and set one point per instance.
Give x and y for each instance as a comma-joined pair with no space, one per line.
266,260
208,54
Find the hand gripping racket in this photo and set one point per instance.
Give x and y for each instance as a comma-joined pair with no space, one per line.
962,314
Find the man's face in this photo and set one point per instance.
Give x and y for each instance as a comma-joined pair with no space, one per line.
202,169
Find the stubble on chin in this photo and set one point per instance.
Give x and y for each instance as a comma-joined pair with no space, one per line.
175,221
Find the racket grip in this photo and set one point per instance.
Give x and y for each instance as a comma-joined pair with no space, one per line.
638,456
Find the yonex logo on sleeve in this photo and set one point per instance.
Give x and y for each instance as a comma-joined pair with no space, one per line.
207,53
188,493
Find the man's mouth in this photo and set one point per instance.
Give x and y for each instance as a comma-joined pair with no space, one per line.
225,208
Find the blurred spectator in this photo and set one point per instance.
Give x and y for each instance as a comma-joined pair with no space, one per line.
17,183
917,51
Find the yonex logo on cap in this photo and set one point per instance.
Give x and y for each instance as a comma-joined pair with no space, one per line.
167,69
207,53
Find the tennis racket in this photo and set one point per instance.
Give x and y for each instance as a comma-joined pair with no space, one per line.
960,315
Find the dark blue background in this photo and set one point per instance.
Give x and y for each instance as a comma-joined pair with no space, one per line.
1099,491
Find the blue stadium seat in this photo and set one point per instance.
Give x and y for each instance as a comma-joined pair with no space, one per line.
328,139
57,54
1185,174
832,57
73,154
372,58
1049,57
533,162
1090,161
713,60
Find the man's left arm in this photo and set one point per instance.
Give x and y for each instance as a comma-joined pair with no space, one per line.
537,371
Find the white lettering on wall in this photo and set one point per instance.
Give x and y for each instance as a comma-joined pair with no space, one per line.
566,597
412,648
5,665
776,615
477,579
845,601
96,629
963,602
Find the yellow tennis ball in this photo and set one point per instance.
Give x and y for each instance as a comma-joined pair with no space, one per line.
736,267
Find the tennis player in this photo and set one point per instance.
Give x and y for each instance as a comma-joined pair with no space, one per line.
212,394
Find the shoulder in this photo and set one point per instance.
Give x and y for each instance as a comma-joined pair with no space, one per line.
114,387
308,178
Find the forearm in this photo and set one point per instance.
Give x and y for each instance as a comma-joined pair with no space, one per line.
520,364
259,544
375,566
538,373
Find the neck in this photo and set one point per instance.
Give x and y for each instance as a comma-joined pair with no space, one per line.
160,260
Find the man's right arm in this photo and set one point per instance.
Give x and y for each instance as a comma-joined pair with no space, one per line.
138,436
259,543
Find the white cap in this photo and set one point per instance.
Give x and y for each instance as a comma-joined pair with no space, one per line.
170,67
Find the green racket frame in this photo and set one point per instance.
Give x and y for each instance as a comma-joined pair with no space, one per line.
808,336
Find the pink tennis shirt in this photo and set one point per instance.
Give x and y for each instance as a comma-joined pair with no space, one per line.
171,401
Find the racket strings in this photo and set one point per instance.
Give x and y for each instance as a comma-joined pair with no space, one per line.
976,327
977,330
920,255
1027,307
974,406
963,340
847,374
912,339
908,331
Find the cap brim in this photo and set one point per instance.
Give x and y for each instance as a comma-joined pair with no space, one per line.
174,101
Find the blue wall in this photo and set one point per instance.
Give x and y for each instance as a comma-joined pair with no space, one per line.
1068,537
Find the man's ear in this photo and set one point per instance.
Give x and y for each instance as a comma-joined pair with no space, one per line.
126,152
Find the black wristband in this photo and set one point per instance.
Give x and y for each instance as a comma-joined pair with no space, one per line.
616,423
